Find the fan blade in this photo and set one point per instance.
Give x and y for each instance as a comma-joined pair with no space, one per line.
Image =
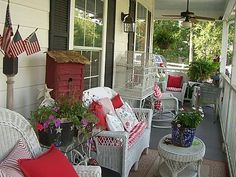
204,18
174,16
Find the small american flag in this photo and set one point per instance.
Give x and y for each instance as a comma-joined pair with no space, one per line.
17,44
31,44
7,33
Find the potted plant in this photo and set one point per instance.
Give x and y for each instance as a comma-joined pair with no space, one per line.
163,39
55,124
184,127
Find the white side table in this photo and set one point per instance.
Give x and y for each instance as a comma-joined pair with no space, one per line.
180,161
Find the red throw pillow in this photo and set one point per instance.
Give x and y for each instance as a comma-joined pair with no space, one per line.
97,110
116,101
174,81
53,163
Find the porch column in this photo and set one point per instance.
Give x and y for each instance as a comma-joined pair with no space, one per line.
224,46
104,39
191,45
233,69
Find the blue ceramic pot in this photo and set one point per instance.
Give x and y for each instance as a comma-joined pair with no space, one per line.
182,136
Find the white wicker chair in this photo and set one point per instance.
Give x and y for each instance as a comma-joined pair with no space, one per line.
119,158
14,126
178,94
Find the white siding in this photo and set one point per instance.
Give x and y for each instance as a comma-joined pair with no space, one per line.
29,14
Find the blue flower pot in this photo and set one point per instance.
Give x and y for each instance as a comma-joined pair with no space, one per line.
181,136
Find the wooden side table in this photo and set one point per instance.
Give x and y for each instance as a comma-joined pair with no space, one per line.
180,161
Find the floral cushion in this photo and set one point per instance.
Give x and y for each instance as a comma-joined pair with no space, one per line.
157,93
114,123
127,117
9,166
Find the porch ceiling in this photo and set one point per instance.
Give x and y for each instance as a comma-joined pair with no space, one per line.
209,8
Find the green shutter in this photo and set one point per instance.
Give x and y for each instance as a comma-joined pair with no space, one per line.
59,24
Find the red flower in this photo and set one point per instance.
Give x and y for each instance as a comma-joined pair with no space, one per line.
39,127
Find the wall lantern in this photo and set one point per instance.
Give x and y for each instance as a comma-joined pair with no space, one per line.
129,24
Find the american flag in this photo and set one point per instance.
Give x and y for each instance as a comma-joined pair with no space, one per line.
31,44
7,33
17,45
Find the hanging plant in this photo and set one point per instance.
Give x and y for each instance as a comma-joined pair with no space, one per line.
163,39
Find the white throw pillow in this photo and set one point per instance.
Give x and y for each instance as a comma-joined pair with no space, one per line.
114,123
107,106
127,117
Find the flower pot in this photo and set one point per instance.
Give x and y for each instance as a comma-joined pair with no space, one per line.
182,136
61,136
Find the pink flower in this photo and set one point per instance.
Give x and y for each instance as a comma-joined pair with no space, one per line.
46,124
51,117
39,127
84,122
57,123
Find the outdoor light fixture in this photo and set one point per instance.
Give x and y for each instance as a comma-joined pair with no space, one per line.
128,21
186,23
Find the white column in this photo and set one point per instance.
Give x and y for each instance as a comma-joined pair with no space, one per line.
233,69
10,96
191,45
224,46
104,39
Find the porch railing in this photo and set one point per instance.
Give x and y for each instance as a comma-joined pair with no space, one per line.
228,122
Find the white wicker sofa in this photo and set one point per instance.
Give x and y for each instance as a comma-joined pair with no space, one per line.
14,126
122,157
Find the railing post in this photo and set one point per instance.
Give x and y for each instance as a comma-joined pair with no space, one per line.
224,46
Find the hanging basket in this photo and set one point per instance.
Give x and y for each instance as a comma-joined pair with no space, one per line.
53,135
181,136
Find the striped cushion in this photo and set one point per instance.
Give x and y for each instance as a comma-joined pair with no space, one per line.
157,93
173,89
136,132
9,166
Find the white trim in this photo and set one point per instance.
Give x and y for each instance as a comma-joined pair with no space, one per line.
104,40
224,46
84,48
72,16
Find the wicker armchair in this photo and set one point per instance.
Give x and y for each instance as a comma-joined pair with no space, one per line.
14,126
113,149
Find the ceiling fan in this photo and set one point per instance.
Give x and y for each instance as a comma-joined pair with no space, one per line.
189,16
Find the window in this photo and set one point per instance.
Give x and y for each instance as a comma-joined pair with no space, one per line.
140,28
88,25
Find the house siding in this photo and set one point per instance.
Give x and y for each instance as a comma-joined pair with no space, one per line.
29,14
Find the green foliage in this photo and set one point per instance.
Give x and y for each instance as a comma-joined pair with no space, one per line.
202,69
207,39
163,38
188,119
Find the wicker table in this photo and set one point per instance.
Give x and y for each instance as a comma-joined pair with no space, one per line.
180,161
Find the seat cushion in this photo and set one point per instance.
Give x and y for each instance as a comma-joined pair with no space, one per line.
49,164
136,132
173,89
9,166
174,81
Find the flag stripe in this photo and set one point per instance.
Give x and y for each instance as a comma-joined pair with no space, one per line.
31,44
17,45
7,33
